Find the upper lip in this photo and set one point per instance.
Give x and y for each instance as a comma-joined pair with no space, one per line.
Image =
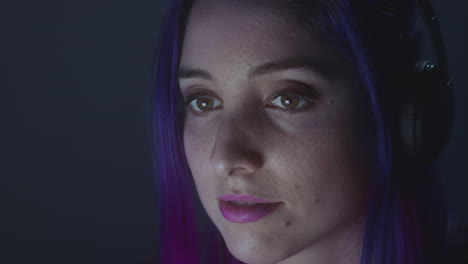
244,198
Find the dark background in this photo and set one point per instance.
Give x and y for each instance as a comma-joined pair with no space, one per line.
76,184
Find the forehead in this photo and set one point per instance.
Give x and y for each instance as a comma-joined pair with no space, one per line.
230,37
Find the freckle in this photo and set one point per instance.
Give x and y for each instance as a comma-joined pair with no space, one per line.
332,102
287,223
317,200
296,187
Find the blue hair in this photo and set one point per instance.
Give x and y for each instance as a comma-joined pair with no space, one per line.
397,227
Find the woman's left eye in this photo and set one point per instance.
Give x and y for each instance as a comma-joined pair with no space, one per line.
291,102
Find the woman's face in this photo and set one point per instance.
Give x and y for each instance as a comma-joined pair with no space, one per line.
278,115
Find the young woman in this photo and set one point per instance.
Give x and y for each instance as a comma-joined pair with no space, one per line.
282,118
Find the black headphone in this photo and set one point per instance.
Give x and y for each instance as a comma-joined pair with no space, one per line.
427,112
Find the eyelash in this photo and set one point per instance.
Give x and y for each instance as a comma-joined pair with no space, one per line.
308,102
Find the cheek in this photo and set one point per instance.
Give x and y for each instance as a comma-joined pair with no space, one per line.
195,142
197,152
325,169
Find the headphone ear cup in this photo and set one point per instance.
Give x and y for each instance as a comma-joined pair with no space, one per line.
426,115
410,128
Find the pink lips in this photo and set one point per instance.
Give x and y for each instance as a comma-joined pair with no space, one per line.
245,213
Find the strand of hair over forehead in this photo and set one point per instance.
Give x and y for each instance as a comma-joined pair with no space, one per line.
386,240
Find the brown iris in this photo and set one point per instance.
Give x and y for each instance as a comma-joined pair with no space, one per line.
290,101
205,103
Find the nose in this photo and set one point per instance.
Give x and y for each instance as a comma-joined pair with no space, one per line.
234,151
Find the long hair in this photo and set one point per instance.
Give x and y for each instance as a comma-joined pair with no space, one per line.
406,217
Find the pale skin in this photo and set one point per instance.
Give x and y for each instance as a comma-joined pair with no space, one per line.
241,136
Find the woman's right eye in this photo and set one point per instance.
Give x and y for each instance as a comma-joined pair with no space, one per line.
201,105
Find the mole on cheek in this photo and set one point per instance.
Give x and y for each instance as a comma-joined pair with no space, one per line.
287,223
296,187
332,102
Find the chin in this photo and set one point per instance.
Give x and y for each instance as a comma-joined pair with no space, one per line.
255,258
250,251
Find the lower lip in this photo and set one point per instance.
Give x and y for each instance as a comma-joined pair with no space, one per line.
247,213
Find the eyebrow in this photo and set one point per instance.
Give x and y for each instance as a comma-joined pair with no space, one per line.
322,67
